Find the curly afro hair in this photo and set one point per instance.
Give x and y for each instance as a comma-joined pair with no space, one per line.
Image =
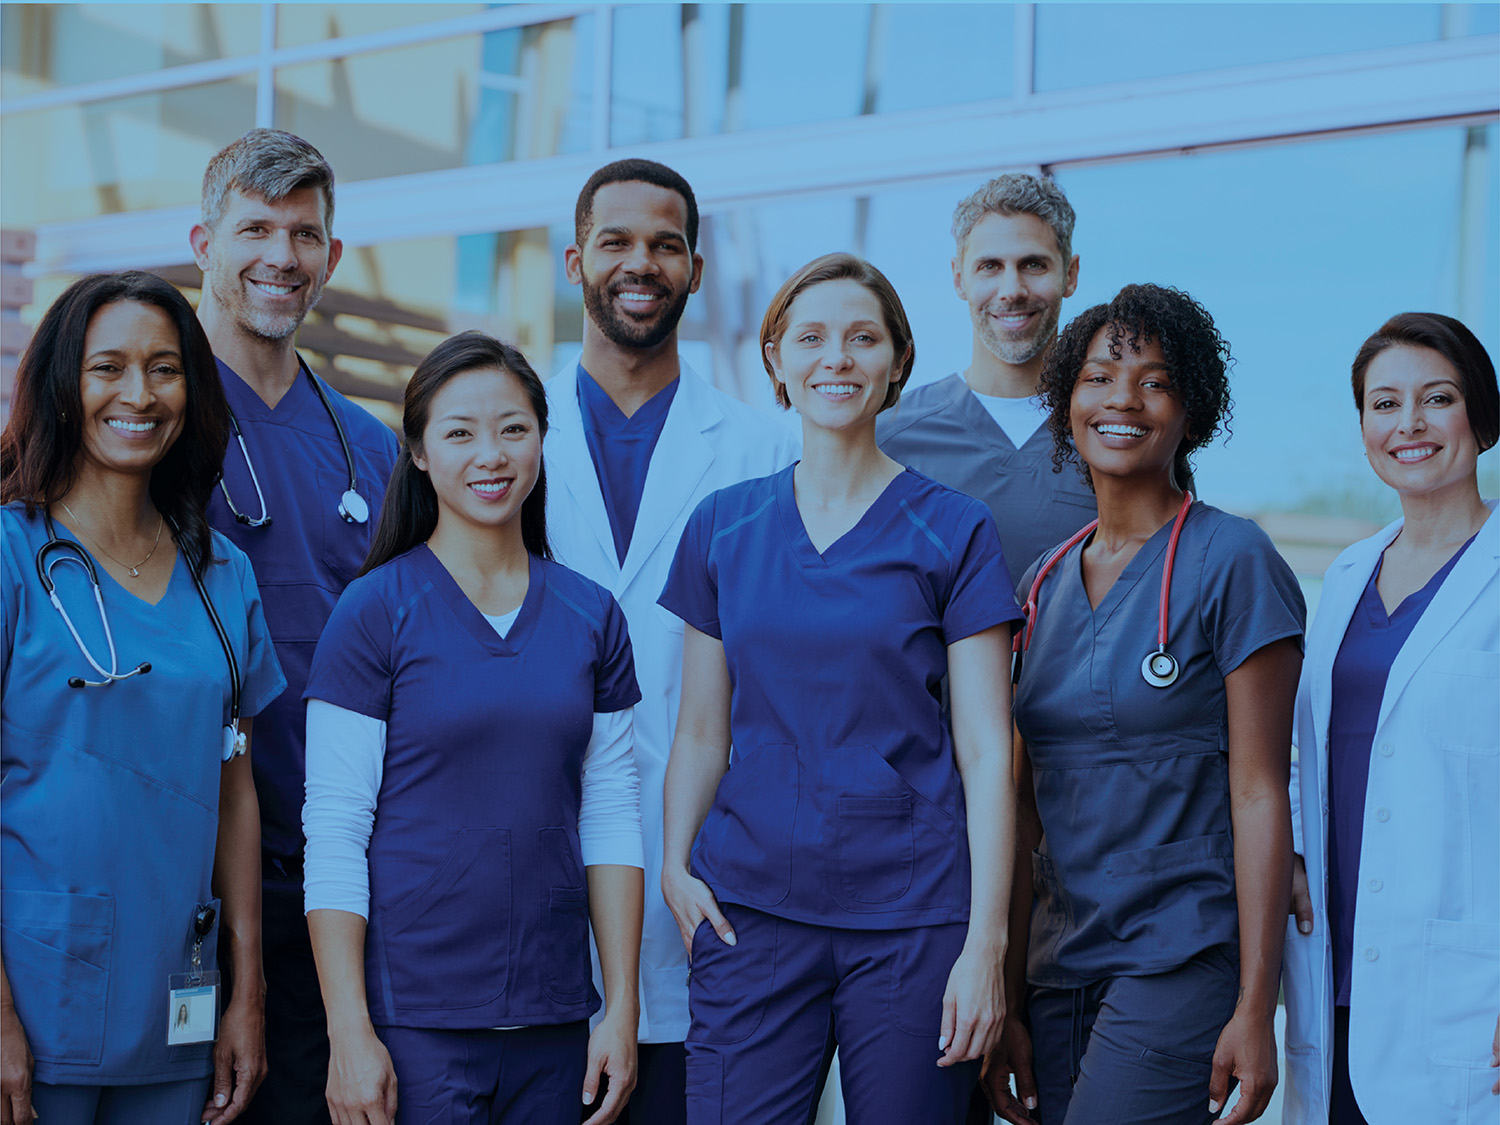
1197,358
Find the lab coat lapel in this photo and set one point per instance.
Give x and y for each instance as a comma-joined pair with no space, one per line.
570,466
1465,582
683,455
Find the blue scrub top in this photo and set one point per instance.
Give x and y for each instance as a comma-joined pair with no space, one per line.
110,806
842,805
1135,874
478,905
303,559
1369,648
621,449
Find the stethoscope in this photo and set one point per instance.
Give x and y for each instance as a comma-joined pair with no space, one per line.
56,551
352,506
1160,667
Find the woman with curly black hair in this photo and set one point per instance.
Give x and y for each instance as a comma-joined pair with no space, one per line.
1153,715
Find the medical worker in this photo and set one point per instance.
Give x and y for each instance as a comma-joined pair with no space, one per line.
303,479
635,439
131,837
472,800
849,869
1393,966
982,430
1153,709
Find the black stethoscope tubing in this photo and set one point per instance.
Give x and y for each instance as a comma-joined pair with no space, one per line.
352,506
57,550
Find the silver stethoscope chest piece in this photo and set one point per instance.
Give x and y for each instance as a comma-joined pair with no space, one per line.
1159,668
353,508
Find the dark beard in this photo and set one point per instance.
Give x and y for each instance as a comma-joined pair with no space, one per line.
624,332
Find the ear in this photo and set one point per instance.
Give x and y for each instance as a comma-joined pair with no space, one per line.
573,264
335,252
773,357
198,239
1072,277
958,277
697,273
417,457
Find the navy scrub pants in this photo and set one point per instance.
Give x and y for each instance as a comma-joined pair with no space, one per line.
524,1076
158,1103
1132,1050
765,1011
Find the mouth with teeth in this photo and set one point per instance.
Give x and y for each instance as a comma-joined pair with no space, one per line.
120,425
490,489
1120,429
1013,320
836,390
1411,454
638,298
275,288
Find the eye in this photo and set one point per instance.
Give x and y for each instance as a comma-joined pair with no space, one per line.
309,236
517,429
1440,398
1383,404
1036,265
864,338
166,370
809,338
456,432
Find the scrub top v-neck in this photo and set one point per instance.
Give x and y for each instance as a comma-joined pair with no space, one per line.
1135,874
842,804
478,913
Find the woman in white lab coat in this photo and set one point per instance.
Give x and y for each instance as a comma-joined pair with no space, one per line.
1392,962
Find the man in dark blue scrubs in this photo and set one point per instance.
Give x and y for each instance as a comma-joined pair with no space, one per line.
266,249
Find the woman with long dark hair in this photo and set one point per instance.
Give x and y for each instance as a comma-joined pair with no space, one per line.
133,636
1393,966
472,801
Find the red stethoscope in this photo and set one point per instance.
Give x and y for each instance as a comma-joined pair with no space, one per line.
1159,668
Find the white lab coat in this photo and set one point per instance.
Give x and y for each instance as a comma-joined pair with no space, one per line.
708,441
1426,974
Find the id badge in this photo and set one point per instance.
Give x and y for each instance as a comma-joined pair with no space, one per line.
192,1007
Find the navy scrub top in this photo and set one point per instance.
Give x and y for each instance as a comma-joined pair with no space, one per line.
842,804
109,802
1135,874
303,558
478,904
621,449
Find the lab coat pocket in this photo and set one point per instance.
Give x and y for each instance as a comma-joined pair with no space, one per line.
1302,982
565,951
1460,991
746,840
57,951
345,544
434,936
874,849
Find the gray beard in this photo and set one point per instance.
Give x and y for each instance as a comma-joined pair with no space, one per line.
1017,353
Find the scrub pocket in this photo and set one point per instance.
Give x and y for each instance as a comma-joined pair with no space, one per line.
1156,895
730,986
566,970
884,833
57,955
437,926
345,544
745,843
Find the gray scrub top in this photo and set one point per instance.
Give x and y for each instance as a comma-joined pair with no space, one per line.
943,431
1135,874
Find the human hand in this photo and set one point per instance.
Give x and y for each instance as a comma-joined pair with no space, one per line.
1495,1056
973,1007
690,901
612,1051
1011,1056
361,1080
16,1065
1246,1050
239,1058
1301,896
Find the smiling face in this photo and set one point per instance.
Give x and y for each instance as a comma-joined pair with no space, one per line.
133,388
1126,416
481,448
1013,277
265,264
635,266
836,359
1415,424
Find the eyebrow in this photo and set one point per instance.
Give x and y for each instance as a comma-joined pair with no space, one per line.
1427,386
661,235
1109,360
174,352
472,418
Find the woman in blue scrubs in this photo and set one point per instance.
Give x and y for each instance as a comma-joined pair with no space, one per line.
1157,811
1393,969
849,867
472,800
122,822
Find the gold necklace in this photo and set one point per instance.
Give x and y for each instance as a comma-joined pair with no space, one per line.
135,571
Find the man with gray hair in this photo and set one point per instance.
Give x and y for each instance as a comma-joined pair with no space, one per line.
302,483
982,431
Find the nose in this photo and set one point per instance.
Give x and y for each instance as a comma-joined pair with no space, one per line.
1010,284
279,251
1413,419
639,259
1123,395
492,452
135,389
835,355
